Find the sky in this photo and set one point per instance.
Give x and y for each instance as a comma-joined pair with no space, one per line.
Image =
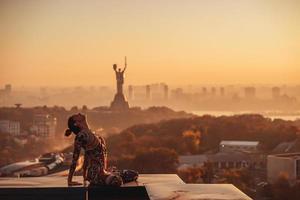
75,42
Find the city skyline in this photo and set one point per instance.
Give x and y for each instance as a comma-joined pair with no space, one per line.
58,43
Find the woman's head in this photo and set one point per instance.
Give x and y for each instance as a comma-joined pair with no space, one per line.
75,124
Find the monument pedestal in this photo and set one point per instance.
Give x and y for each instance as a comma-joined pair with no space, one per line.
119,102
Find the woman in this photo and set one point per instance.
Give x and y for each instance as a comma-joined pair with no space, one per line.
95,156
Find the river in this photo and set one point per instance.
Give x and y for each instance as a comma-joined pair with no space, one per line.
270,114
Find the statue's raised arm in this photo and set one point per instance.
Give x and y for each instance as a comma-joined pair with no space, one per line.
124,69
125,65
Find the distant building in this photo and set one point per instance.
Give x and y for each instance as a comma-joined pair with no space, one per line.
157,96
5,93
204,90
222,91
8,88
11,127
236,97
250,92
230,160
44,125
130,92
166,91
177,93
213,91
287,165
234,145
287,147
192,161
223,160
148,92
275,92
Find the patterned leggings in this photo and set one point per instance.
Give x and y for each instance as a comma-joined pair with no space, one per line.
96,164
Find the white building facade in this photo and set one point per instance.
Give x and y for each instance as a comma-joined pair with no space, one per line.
11,127
44,125
287,165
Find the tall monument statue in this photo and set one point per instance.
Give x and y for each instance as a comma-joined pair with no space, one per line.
120,77
119,102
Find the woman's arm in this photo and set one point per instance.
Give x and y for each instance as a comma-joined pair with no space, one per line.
84,167
104,151
76,153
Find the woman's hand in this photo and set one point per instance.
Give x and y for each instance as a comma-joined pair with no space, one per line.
85,183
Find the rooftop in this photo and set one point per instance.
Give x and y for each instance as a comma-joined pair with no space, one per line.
192,159
287,155
148,186
287,147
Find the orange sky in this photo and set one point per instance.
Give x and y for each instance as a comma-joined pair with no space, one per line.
75,42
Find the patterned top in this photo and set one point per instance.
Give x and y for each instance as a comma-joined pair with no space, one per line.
95,154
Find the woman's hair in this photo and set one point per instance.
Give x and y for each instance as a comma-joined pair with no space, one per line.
72,127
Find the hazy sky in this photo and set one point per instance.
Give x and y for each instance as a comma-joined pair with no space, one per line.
75,42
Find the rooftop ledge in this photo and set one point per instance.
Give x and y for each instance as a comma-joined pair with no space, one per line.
148,186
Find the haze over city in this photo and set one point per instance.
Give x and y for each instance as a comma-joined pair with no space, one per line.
55,43
156,99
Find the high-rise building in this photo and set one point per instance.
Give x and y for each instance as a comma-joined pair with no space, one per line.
166,92
222,91
177,93
204,90
8,89
250,92
275,92
130,92
148,92
213,91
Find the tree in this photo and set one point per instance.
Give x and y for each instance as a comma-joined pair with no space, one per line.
191,174
207,173
191,140
156,160
74,109
281,188
84,108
